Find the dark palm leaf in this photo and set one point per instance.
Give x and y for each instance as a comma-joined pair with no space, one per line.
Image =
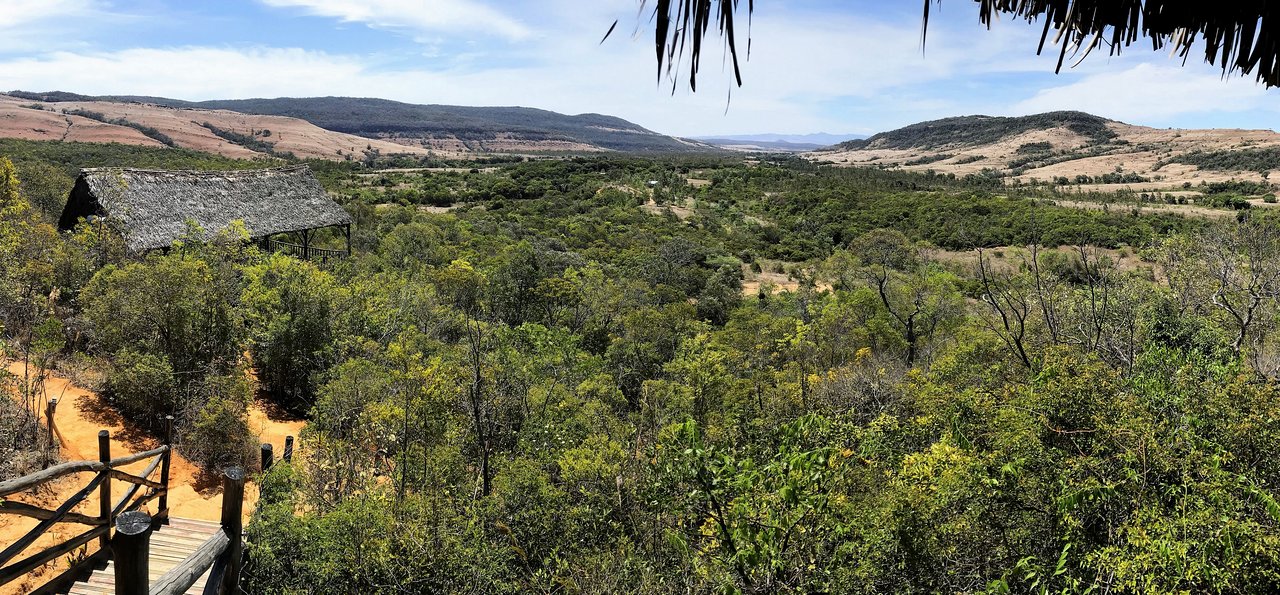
1240,36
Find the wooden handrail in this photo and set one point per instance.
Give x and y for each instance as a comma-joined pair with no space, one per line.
105,469
221,554
306,252
17,569
133,458
181,577
35,512
27,482
26,540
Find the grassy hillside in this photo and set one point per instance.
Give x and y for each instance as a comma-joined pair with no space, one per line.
979,130
381,117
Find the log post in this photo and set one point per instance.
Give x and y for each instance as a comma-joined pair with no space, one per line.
164,466
130,551
233,525
104,492
346,230
288,449
48,418
267,452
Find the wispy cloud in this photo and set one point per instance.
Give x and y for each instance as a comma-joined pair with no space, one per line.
833,69
415,16
1152,93
24,12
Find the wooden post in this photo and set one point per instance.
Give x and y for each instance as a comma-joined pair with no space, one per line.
130,552
48,418
346,230
233,525
288,448
164,467
104,492
306,244
267,450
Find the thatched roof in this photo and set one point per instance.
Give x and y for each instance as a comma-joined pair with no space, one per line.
151,208
1241,36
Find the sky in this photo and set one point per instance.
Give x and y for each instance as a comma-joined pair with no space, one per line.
836,66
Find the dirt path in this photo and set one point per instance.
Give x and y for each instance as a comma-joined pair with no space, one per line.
80,415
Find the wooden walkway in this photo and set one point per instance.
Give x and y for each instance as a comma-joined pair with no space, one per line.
170,545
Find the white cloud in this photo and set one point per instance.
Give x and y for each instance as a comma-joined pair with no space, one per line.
185,73
808,72
1151,93
23,12
418,16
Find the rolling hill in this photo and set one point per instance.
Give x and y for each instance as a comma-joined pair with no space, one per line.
789,143
437,128
1075,148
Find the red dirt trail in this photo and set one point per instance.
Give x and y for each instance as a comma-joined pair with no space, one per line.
80,415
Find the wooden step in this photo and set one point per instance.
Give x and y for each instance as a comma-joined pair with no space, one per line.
170,545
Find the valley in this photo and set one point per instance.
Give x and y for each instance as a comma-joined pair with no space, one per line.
547,366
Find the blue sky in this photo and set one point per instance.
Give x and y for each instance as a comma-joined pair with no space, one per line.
848,66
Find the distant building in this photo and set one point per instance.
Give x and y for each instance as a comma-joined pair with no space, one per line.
150,209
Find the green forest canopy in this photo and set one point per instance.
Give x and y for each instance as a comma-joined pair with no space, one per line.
560,386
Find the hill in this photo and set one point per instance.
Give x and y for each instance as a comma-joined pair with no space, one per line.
777,142
1067,148
221,132
435,127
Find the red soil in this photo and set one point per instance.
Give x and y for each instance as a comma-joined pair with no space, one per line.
80,414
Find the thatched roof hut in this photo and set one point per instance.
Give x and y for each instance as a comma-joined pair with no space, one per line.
151,208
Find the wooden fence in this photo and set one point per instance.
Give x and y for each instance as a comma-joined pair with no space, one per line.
105,470
221,554
306,252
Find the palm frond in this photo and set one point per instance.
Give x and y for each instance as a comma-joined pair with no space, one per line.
1240,37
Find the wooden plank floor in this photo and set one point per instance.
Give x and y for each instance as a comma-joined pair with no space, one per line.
170,545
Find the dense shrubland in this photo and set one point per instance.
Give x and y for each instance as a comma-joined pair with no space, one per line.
553,389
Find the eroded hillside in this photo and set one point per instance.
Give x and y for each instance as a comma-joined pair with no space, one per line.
1071,149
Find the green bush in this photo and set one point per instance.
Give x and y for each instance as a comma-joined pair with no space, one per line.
217,434
142,384
290,310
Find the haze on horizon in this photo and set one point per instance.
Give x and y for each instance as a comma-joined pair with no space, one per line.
816,66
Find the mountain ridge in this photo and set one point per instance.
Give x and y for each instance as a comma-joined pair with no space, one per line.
431,126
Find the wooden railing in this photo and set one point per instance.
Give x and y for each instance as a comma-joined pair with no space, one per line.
221,555
105,470
306,252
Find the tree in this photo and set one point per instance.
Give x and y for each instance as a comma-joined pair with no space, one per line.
1240,37
1234,267
290,306
918,297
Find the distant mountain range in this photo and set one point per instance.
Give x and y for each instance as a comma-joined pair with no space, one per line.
431,127
778,142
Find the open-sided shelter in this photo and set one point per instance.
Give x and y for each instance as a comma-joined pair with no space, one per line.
151,209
